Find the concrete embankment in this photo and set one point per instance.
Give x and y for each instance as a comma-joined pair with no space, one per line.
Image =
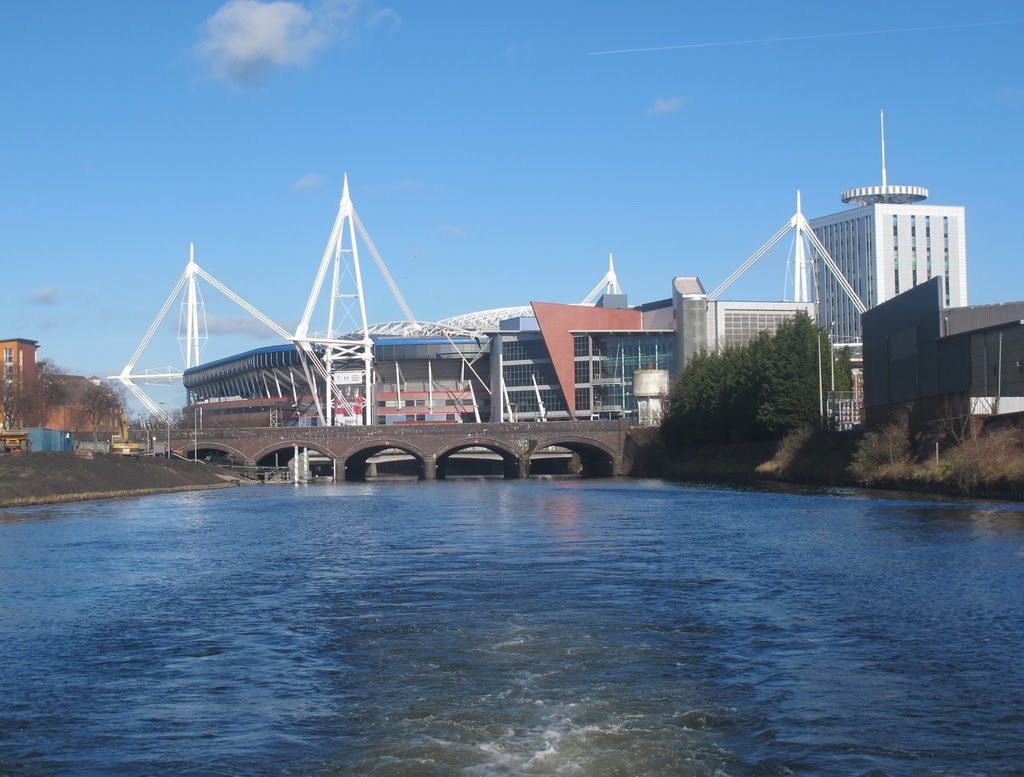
50,478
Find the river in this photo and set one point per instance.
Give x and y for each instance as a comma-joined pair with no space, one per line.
547,627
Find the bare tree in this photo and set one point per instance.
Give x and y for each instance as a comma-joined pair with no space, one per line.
12,396
46,393
101,404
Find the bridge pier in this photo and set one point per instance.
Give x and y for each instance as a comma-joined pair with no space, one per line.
617,465
428,471
517,468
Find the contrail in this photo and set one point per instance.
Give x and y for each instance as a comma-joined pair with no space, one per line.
819,36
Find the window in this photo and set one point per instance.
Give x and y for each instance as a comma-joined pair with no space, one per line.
896,253
582,372
581,345
582,399
527,349
945,240
928,244
913,250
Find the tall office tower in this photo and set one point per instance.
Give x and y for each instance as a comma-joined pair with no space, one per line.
887,244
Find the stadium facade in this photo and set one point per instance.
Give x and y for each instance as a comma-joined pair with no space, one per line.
563,362
557,361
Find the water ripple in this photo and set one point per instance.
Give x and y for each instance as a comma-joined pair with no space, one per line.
492,628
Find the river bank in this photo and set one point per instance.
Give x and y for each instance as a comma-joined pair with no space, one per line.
988,467
51,478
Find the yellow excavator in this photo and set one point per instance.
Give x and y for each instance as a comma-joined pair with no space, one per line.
120,444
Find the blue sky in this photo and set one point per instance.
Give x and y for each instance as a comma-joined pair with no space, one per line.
493,157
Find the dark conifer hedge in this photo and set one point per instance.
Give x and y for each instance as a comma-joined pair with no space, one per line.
756,391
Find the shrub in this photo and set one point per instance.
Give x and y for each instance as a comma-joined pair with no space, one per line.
884,453
996,458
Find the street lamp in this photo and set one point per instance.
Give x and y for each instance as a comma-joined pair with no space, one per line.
821,390
832,350
167,452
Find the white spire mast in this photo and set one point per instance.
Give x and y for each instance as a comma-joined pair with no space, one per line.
803,230
893,195
882,119
609,284
346,345
800,257
194,332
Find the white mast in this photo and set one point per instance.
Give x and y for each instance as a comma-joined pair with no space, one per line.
882,119
609,284
194,331
803,230
800,257
893,195
347,313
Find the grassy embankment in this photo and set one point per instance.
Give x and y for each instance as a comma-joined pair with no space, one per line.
53,478
990,465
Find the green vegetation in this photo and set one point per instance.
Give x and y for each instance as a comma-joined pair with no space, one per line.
898,455
753,413
758,391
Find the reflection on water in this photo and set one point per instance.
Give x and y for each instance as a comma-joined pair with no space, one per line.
532,627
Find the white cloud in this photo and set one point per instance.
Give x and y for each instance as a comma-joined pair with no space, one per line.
47,296
246,37
664,106
385,17
308,181
239,325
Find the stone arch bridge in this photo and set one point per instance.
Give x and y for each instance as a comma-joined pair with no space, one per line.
600,447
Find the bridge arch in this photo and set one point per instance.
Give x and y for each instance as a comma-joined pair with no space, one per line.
280,453
592,457
214,453
358,467
511,457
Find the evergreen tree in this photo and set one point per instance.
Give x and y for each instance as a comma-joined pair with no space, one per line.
761,390
791,398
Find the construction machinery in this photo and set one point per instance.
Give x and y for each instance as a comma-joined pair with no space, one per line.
13,440
120,444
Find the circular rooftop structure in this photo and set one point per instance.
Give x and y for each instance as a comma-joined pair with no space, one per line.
889,195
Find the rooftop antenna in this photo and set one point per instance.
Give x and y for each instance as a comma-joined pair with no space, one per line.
884,182
885,194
